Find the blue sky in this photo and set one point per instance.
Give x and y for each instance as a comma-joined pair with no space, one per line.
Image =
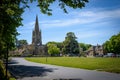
93,24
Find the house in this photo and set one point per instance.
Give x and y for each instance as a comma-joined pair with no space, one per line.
95,51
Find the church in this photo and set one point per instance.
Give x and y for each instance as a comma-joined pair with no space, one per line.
36,48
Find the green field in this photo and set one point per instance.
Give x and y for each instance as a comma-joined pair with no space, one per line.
101,64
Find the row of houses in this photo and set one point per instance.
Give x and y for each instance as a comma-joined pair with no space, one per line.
95,51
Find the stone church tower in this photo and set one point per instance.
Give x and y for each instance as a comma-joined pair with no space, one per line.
38,48
36,34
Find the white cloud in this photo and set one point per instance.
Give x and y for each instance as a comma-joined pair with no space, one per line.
99,14
84,17
61,23
85,14
31,23
27,26
88,35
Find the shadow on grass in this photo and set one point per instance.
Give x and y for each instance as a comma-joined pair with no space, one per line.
20,71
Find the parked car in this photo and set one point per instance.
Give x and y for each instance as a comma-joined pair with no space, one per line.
118,55
110,55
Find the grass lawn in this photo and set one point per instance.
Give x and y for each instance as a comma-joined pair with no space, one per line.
12,79
101,64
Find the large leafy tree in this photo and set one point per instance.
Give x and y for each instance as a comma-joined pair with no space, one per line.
10,19
53,50
113,45
58,44
70,45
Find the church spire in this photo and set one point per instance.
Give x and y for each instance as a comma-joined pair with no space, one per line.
36,24
36,35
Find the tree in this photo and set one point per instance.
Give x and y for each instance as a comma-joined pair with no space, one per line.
58,44
45,4
53,50
106,47
84,46
70,45
113,45
21,43
10,19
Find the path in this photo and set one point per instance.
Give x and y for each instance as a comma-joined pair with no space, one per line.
25,70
